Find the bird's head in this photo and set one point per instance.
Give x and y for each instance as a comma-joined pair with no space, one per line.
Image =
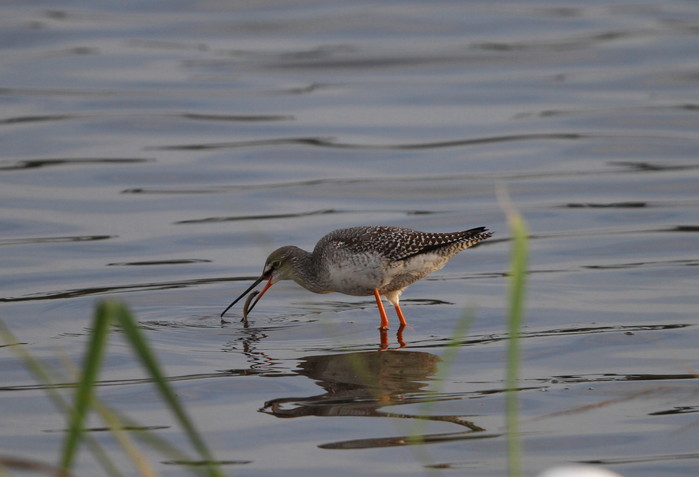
278,266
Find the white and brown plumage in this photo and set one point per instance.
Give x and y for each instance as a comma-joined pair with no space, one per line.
364,261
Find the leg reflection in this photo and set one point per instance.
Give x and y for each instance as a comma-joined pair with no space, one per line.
383,338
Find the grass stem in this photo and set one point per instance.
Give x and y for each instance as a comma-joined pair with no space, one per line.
517,287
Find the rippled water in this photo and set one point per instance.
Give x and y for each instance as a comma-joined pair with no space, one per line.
156,153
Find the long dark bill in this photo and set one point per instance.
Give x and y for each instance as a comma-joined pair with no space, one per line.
264,290
257,282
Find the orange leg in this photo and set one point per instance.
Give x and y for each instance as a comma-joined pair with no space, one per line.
382,312
400,315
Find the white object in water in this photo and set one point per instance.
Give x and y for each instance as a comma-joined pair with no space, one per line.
578,471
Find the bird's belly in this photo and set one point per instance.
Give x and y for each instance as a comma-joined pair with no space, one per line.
359,278
405,272
362,277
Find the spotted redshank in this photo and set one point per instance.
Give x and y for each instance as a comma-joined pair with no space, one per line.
365,261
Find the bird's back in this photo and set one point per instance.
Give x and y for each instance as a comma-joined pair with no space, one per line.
395,243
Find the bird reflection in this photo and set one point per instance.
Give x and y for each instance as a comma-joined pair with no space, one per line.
360,384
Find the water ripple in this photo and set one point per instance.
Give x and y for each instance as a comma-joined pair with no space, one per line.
330,142
256,217
38,163
67,239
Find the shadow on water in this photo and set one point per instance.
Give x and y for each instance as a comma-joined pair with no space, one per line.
361,384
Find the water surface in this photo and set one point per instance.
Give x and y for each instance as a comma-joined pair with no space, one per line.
157,153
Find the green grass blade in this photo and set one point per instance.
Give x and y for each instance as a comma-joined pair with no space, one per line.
106,313
114,418
517,287
85,391
451,351
417,432
148,360
116,426
453,348
46,378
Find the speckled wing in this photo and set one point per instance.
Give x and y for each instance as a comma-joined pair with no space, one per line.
398,243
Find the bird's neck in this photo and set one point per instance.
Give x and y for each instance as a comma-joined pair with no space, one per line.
305,271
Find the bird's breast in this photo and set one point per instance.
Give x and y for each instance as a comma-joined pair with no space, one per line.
358,274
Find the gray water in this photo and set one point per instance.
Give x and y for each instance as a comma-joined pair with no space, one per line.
156,152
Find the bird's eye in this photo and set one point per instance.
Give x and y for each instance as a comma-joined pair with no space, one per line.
276,264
